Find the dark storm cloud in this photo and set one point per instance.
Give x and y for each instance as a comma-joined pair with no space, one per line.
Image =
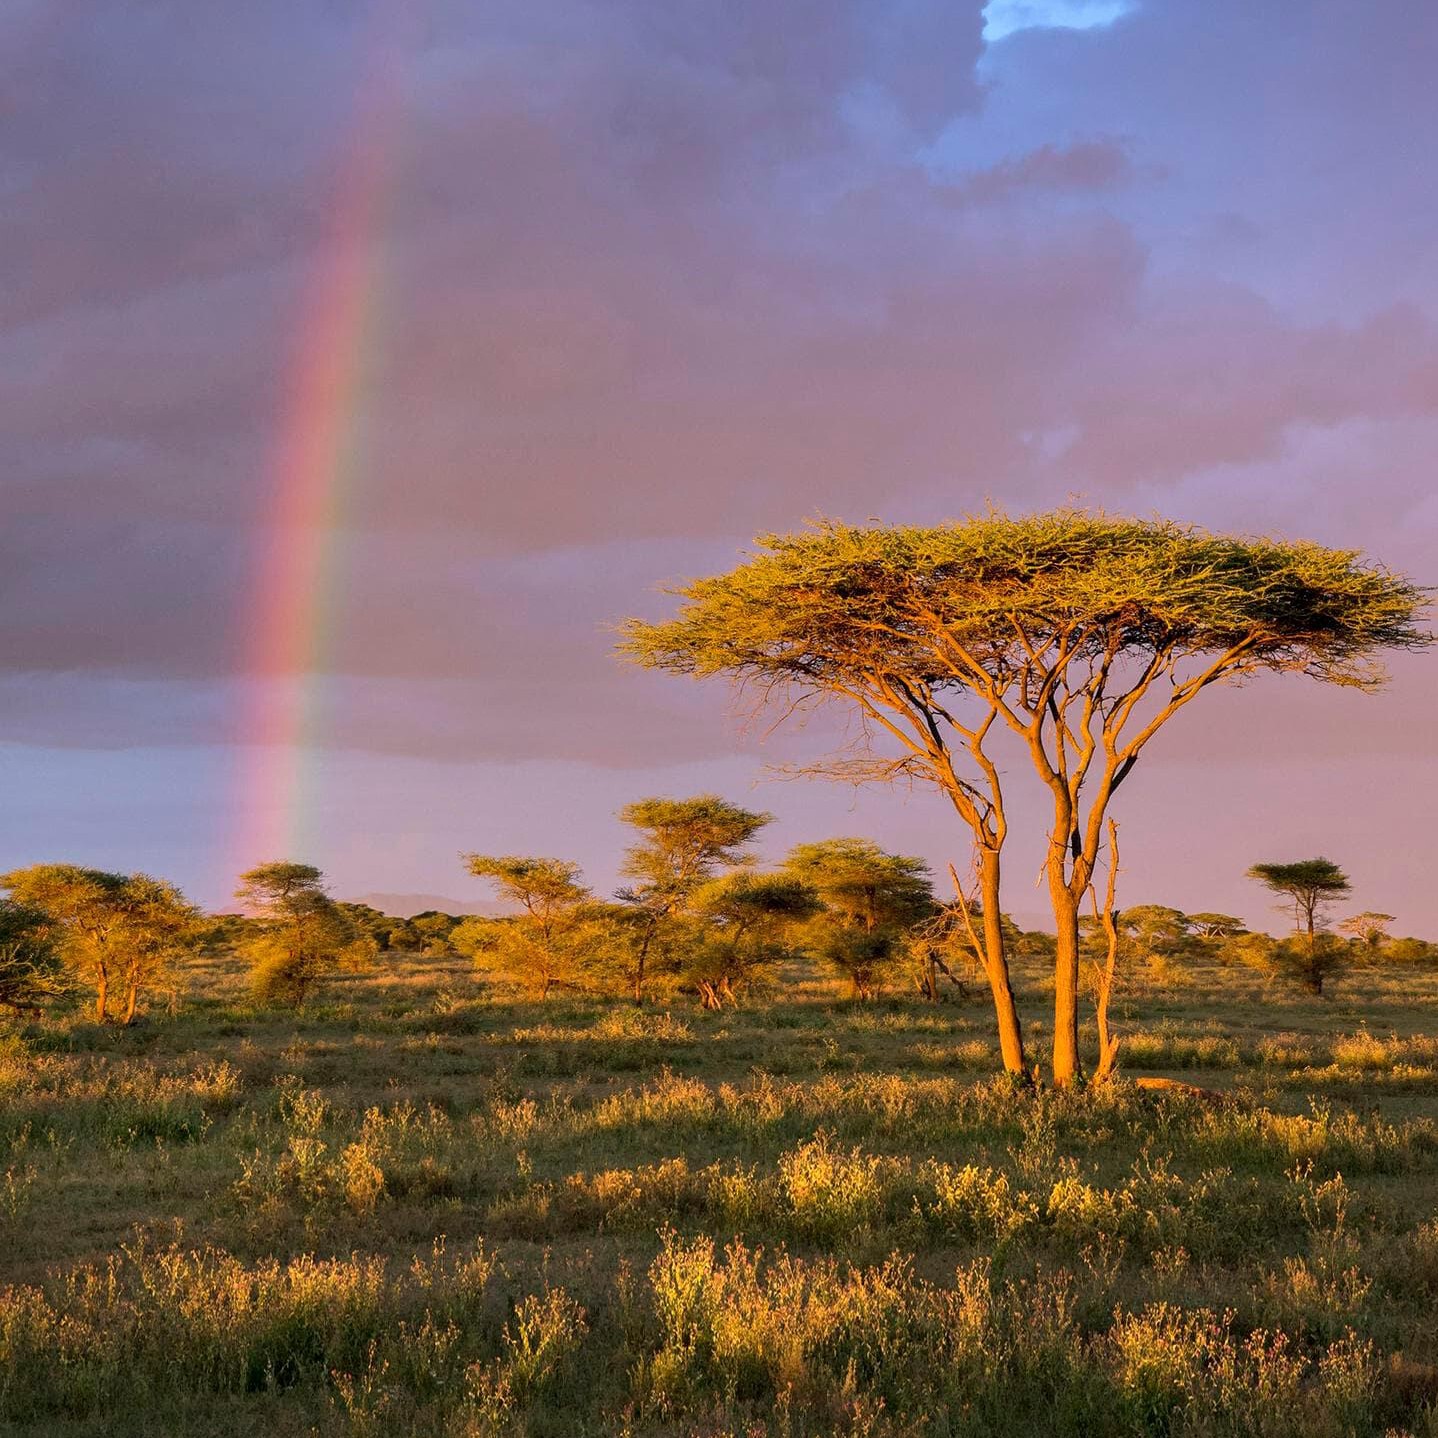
656,272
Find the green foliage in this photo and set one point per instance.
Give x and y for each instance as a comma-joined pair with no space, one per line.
1309,884
747,922
30,967
1216,926
369,922
110,929
1313,961
871,901
546,889
302,935
1253,950
861,886
1409,951
1151,935
434,931
683,844
473,934
842,601
549,942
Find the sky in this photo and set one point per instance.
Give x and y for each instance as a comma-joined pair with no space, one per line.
362,364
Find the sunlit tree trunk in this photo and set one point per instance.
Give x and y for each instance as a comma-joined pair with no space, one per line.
1104,973
1066,974
102,994
996,966
642,959
132,999
929,977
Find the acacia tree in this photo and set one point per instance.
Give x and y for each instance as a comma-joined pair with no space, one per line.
1216,926
543,946
683,844
871,900
1369,927
1082,634
160,927
1148,933
1309,885
302,934
87,908
743,924
122,930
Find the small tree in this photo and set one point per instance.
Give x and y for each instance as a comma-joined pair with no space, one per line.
1369,927
30,967
1310,960
1083,634
683,844
368,922
434,929
87,908
870,900
1309,885
112,929
401,936
545,945
1252,950
746,923
1216,926
473,935
1151,934
302,935
1409,951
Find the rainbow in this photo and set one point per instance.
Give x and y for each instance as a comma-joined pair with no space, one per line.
318,462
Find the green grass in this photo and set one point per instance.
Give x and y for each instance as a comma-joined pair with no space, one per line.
418,1207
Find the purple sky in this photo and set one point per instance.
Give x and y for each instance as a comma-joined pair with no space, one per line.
652,276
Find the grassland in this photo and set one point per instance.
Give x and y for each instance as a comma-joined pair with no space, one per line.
418,1207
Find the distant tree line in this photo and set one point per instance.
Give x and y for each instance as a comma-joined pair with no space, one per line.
697,915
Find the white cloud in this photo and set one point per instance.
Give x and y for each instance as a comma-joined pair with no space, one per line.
1007,17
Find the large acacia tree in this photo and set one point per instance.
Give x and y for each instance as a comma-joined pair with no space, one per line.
1083,634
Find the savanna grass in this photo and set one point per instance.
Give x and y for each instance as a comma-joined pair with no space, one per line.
420,1207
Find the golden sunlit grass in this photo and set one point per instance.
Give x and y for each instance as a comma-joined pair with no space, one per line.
421,1207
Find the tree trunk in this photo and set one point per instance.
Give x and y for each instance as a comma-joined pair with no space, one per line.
132,999
996,965
1066,975
640,963
102,994
1104,973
